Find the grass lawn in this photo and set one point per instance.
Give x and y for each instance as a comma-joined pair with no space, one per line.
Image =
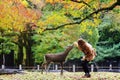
56,76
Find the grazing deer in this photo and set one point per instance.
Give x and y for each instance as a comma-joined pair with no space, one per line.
56,58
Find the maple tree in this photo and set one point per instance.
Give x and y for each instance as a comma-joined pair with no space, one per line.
13,18
78,17
35,22
96,7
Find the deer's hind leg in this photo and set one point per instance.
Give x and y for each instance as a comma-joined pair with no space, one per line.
43,67
47,67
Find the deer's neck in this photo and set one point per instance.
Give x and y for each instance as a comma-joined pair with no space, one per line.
67,51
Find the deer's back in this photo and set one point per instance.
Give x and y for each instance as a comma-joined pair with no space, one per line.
55,57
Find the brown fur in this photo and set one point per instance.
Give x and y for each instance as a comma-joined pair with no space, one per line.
86,48
56,58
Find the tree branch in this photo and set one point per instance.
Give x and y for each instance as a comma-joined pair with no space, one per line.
82,2
95,12
100,10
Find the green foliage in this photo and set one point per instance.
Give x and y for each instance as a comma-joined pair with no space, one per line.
49,42
56,41
7,41
117,10
109,42
105,1
50,7
6,45
56,14
91,35
75,53
108,52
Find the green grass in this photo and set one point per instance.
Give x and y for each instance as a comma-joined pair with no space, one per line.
56,76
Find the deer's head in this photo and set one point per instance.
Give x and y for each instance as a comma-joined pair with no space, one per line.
69,47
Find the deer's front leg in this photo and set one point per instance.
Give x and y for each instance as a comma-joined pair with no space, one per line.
61,68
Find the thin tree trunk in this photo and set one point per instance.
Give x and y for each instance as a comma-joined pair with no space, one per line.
29,56
28,44
27,34
20,51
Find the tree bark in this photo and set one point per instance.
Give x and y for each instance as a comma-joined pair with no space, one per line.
20,51
29,56
28,42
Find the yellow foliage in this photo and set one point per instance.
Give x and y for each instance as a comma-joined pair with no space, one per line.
25,3
96,5
90,32
83,26
53,1
14,16
56,19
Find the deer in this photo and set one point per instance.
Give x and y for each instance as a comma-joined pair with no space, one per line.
56,58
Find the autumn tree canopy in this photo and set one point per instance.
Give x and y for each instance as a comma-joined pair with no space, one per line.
37,27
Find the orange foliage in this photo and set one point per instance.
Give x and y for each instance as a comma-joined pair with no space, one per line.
14,14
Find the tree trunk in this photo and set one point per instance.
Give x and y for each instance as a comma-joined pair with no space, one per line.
29,56
28,44
20,51
20,55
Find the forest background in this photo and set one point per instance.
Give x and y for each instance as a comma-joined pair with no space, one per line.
32,28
